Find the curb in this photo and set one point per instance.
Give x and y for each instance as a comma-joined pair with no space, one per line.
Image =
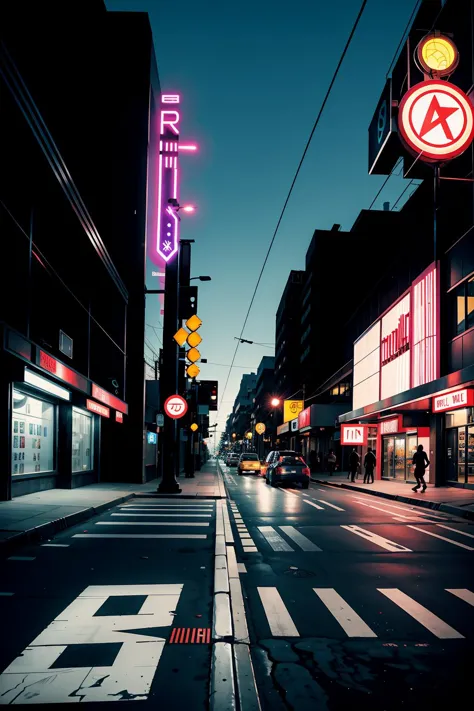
423,503
46,530
232,683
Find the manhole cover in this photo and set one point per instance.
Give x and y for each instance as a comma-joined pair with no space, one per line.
299,573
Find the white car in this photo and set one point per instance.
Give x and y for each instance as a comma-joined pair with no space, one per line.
232,460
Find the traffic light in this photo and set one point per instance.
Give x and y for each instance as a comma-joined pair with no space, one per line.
193,339
208,394
188,298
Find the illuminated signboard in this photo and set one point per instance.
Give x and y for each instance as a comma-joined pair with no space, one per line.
304,419
98,409
109,399
454,400
166,241
354,434
425,305
391,426
395,349
119,417
291,409
47,362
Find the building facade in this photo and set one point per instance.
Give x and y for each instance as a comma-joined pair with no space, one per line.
73,214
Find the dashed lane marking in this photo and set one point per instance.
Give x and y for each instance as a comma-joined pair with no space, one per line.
304,543
166,515
377,540
351,623
426,618
311,503
193,536
450,528
443,538
185,524
463,594
274,539
333,506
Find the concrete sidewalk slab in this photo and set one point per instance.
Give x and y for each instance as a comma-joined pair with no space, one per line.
37,516
451,499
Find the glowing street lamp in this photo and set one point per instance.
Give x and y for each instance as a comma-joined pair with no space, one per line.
275,402
188,208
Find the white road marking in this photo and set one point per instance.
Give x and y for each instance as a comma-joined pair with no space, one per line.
151,523
9,594
311,503
298,538
197,509
274,539
443,538
426,618
139,535
289,493
390,513
333,506
417,511
463,594
378,540
55,545
21,557
240,567
250,549
351,623
31,676
278,617
166,515
303,494
450,528
403,519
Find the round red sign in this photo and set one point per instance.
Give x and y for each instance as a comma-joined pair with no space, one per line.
176,407
436,121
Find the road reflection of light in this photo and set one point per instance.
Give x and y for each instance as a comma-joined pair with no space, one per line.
265,501
247,484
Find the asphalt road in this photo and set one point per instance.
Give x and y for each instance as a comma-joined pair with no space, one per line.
92,616
353,601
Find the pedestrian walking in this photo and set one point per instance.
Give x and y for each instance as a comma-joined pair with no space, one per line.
369,464
312,461
331,462
420,462
354,461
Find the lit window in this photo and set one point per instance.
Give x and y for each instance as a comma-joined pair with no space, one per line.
470,303
335,390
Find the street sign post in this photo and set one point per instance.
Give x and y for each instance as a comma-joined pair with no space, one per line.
176,407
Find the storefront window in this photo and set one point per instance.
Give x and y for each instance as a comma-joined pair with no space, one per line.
32,435
457,418
81,441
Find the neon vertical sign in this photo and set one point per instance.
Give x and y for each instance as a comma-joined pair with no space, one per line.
166,242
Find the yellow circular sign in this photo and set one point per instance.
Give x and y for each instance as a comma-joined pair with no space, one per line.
437,55
249,435
260,428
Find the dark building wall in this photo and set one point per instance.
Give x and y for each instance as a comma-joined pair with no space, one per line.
288,337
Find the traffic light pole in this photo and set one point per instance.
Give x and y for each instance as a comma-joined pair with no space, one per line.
169,380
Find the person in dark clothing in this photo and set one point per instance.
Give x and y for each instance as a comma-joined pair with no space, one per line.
354,461
312,460
331,462
369,464
420,462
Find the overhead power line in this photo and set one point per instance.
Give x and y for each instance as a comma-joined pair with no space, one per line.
285,204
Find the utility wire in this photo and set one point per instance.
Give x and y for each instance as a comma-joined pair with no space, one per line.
308,143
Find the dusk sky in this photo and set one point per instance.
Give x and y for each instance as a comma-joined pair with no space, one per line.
252,76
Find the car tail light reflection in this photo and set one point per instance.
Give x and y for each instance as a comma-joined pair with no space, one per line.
306,471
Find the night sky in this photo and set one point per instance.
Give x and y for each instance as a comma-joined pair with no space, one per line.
252,76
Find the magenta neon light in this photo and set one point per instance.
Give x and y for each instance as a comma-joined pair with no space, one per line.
170,99
188,148
170,119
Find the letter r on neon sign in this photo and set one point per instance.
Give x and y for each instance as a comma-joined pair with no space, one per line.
171,119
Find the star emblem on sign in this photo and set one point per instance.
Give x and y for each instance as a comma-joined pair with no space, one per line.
436,121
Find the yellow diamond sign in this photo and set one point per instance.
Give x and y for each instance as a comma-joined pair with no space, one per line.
193,371
180,337
194,339
260,428
194,427
194,323
193,355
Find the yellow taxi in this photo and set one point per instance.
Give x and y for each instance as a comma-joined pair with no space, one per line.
248,463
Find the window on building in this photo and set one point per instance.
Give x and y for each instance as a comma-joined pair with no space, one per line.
462,307
32,434
81,441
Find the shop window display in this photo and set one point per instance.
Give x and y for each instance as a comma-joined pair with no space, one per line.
81,441
32,435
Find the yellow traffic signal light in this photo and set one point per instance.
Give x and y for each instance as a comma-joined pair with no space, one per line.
194,323
193,355
194,427
181,336
194,339
193,370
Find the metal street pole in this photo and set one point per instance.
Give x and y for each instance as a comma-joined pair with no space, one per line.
169,380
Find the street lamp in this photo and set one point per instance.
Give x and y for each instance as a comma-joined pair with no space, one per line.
275,402
201,278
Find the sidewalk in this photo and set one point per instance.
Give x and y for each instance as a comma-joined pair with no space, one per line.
40,515
451,499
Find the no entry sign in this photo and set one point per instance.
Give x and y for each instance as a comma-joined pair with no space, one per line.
436,121
176,407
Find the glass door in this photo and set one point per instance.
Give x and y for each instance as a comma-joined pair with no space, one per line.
452,454
470,455
388,451
462,454
412,444
399,465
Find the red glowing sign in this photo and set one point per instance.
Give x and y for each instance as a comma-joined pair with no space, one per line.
425,350
304,418
398,341
391,426
109,399
454,400
176,407
119,417
436,120
98,409
354,434
47,362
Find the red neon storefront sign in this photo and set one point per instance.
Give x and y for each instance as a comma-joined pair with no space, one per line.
109,399
355,435
97,408
55,367
454,400
304,418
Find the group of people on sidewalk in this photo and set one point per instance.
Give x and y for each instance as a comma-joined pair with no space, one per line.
420,463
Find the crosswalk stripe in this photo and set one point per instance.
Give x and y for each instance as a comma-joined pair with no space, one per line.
274,539
443,538
450,528
185,524
463,594
278,617
166,515
351,623
426,618
298,538
311,503
140,535
333,506
378,540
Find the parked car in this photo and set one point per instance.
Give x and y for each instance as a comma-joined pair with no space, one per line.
232,460
248,462
288,467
